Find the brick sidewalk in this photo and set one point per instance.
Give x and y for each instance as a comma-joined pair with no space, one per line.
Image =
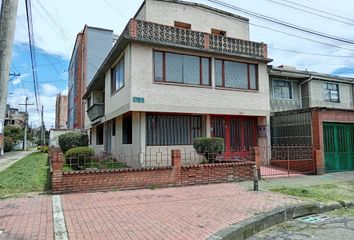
172,213
26,218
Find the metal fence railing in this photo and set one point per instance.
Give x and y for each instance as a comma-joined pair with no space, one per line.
154,157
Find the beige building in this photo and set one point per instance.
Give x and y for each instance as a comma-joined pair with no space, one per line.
178,71
61,112
295,89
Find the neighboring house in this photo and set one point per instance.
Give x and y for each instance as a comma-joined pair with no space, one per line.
14,117
61,112
310,108
91,47
178,71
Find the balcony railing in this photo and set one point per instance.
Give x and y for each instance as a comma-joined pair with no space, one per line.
95,111
169,35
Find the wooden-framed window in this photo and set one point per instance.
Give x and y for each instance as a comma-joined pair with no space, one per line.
117,76
282,89
99,134
164,130
218,32
238,75
331,92
127,129
181,68
182,25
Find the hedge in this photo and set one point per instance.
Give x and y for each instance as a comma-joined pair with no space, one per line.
209,147
80,151
72,140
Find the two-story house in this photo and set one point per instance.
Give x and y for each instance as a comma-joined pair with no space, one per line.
310,108
178,71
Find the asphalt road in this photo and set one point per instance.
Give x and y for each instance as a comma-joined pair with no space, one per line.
334,228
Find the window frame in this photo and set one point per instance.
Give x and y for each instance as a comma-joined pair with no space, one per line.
155,129
164,79
291,92
248,75
113,75
330,90
182,25
101,126
130,130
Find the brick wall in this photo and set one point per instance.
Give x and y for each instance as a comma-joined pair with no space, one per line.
302,166
326,115
176,175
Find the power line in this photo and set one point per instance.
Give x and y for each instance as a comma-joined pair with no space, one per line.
32,52
311,53
318,10
283,23
310,12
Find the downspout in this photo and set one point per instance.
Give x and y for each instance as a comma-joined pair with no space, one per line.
300,91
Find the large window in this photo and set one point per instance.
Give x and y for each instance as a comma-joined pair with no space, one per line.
117,76
127,129
331,92
238,75
172,129
282,89
179,68
99,134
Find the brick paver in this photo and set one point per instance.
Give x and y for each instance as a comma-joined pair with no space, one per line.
26,218
172,213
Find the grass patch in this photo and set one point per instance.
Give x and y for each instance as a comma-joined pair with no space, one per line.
321,193
30,174
343,212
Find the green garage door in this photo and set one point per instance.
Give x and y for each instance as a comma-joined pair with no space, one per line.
338,142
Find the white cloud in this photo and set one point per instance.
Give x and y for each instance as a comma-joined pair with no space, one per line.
19,79
49,89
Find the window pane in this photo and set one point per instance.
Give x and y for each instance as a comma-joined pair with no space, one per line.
127,130
191,68
282,89
205,71
327,95
218,73
119,75
158,66
253,76
174,69
236,75
172,130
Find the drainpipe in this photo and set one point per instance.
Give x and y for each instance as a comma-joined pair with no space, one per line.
300,91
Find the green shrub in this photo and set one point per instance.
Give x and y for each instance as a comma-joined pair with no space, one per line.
209,147
8,144
39,148
44,149
80,151
72,140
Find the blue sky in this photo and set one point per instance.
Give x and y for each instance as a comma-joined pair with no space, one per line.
56,23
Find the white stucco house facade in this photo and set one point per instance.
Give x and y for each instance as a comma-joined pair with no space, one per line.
179,71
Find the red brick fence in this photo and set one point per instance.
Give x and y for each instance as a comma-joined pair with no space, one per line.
135,178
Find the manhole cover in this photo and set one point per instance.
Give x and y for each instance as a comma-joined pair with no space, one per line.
315,218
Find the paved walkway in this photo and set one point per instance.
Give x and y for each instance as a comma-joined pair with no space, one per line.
10,158
172,213
302,181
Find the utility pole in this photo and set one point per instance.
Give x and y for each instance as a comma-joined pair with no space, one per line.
7,32
26,124
42,130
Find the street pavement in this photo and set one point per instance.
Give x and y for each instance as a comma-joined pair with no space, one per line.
10,158
333,228
194,212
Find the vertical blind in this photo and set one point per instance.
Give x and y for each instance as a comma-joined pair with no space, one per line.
172,129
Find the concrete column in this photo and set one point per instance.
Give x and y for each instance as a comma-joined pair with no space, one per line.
208,126
142,138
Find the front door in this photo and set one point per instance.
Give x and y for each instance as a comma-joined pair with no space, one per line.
239,133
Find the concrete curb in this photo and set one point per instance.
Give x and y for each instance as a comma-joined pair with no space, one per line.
253,225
